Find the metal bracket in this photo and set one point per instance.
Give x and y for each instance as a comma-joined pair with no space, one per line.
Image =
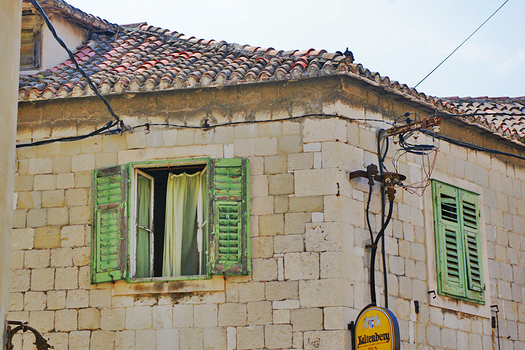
40,342
425,123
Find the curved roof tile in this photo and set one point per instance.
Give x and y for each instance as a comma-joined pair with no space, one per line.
148,58
503,115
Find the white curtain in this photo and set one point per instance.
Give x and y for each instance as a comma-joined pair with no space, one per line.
181,246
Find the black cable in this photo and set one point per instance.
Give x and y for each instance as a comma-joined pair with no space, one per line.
382,155
373,253
414,148
73,59
471,146
208,126
204,126
381,159
367,211
71,138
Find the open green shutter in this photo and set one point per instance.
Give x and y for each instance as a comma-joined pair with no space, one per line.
449,245
229,216
472,243
109,258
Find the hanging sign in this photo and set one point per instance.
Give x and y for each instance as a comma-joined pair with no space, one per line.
376,328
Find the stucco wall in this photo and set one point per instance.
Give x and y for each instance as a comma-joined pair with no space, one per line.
53,53
308,236
10,21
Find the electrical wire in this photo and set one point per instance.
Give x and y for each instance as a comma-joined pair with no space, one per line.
381,156
71,138
367,211
471,146
205,126
457,48
208,126
373,253
73,59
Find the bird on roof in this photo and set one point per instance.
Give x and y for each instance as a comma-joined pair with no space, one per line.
348,54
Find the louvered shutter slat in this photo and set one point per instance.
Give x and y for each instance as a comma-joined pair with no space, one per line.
109,261
448,241
470,211
229,210
458,243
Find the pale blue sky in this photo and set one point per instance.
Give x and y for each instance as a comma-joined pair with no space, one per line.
401,39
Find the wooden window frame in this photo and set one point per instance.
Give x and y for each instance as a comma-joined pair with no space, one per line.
220,260
32,21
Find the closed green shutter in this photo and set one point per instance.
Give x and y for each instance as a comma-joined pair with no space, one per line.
229,216
449,247
458,243
109,258
472,243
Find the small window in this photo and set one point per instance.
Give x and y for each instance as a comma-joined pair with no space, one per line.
168,221
31,38
171,220
458,243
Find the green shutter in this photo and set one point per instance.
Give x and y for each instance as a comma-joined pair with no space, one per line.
449,245
109,258
472,243
229,216
458,243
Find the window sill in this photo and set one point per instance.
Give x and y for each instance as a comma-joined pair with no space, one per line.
214,284
460,305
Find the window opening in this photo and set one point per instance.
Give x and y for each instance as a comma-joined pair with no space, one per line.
169,221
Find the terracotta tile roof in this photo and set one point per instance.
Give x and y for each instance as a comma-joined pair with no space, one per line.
147,58
502,115
140,58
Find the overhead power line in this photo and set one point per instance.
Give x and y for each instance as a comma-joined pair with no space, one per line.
482,24
73,59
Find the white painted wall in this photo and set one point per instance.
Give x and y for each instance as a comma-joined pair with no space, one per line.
53,54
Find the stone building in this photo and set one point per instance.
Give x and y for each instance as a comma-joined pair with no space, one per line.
279,254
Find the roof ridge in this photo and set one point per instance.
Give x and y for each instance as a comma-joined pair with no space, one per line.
247,48
84,18
483,98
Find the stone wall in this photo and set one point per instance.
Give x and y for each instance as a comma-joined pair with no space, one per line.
309,262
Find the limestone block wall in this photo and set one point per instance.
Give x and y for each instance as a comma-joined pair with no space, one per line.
300,293
310,264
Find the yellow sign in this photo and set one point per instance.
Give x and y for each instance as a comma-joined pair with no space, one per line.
376,328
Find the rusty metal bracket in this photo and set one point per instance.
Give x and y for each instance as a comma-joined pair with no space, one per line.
424,124
40,342
370,174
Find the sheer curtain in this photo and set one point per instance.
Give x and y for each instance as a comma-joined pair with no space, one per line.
181,246
143,222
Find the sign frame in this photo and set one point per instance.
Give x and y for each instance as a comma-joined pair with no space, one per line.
378,315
